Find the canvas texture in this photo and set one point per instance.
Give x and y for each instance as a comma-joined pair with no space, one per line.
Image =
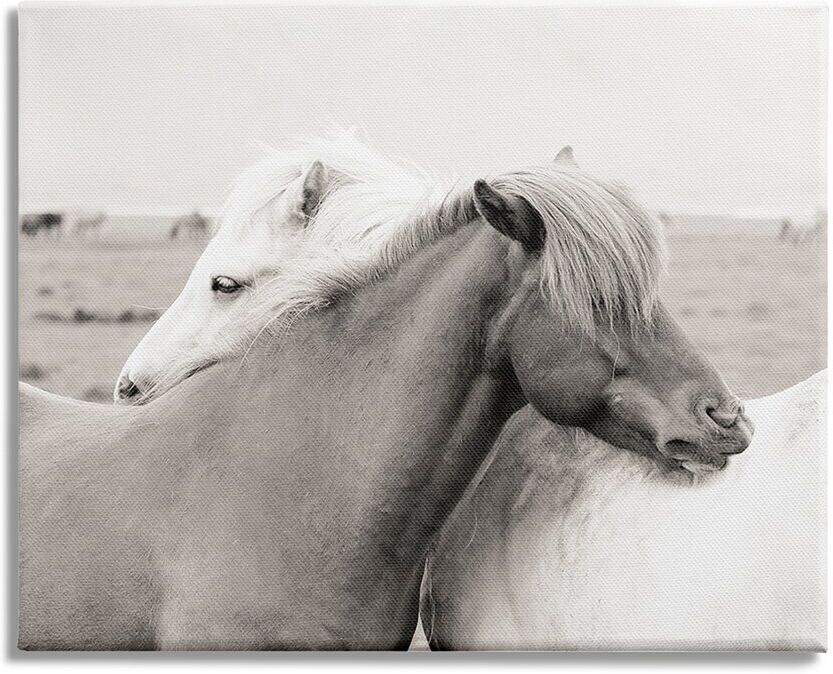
430,328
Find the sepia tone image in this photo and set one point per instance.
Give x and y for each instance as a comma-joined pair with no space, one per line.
450,328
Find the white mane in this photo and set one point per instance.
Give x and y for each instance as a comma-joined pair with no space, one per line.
367,188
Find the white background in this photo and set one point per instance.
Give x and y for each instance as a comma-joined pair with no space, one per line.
14,661
716,111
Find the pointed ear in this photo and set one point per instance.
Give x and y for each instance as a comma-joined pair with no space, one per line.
565,156
316,181
510,215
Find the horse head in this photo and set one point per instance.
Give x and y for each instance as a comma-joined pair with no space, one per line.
588,339
247,248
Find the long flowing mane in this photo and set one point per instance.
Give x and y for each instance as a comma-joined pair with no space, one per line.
602,254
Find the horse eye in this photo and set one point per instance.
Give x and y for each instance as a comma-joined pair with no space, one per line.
224,284
621,371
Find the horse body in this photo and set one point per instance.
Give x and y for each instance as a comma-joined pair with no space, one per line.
32,224
374,425
83,224
568,543
86,525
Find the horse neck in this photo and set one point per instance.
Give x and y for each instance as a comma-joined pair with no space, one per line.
417,399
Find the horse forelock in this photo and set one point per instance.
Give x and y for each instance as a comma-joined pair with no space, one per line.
603,254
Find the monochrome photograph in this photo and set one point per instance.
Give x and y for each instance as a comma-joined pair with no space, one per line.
431,328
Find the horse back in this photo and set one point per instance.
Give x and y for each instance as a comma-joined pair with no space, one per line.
70,504
33,404
38,410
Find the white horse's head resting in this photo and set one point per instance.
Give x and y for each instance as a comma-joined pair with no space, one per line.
331,196
249,246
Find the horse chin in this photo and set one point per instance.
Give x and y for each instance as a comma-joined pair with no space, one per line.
697,468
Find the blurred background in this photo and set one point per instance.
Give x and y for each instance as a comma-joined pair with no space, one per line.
134,121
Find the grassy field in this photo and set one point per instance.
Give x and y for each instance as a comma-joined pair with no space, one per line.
757,306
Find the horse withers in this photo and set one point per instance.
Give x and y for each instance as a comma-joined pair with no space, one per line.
286,495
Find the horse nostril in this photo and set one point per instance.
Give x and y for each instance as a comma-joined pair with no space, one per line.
126,389
725,415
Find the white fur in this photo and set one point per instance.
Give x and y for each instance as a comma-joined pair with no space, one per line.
634,560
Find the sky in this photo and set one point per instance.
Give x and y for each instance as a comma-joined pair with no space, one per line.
154,109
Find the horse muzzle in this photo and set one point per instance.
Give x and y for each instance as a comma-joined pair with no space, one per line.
710,450
126,391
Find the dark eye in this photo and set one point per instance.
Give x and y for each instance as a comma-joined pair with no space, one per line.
225,285
621,371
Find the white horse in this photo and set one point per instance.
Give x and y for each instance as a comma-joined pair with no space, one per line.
275,212
82,224
565,542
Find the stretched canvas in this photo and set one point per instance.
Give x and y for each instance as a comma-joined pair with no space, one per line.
452,328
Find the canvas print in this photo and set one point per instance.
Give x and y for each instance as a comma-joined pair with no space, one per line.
373,328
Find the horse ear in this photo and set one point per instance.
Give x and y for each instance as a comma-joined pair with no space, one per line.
316,181
565,156
510,215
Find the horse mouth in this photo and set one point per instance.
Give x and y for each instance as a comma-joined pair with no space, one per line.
198,368
137,397
693,458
